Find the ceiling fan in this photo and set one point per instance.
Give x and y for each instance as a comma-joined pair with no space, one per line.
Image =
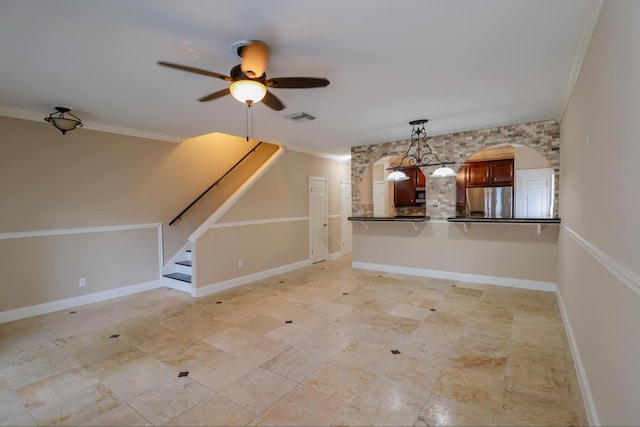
249,83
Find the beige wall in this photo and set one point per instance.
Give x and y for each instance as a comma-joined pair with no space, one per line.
88,179
528,158
280,194
88,195
508,251
599,244
260,247
38,270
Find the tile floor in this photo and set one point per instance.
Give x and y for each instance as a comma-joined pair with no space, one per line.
323,345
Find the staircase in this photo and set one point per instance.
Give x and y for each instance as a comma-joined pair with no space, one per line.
180,278
177,273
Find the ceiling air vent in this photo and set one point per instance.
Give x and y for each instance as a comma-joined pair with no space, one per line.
300,117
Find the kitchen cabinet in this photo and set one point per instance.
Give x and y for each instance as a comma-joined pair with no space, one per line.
412,191
494,173
490,174
477,174
421,180
501,172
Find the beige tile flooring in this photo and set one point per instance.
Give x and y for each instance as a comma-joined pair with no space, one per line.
310,347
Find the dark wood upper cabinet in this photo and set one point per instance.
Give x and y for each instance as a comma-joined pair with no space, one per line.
501,172
406,192
477,174
421,180
490,174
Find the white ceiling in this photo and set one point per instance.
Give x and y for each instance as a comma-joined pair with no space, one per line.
463,64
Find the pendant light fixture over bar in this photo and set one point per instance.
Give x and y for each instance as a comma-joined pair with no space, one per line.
397,175
61,122
419,154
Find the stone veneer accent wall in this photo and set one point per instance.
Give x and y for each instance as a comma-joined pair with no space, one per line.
544,137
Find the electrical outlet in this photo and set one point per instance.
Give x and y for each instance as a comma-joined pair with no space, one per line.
82,282
240,264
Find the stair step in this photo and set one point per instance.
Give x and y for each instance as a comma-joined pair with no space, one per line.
185,263
179,276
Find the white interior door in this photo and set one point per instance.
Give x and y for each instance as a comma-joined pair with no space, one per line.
534,193
318,219
345,209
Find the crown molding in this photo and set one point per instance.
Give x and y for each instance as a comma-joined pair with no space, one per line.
38,117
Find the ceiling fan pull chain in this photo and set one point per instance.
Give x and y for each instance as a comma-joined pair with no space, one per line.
251,121
247,120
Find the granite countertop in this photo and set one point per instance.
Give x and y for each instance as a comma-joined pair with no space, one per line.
507,220
410,218
407,218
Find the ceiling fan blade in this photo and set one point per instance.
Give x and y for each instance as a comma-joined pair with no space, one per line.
254,59
215,95
296,82
271,101
195,70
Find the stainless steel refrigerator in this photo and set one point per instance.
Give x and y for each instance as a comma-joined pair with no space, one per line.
490,202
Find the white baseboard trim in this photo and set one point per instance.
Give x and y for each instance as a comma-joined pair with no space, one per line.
63,304
237,281
581,373
335,255
463,277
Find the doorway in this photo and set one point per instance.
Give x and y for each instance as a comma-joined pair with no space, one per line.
318,219
534,193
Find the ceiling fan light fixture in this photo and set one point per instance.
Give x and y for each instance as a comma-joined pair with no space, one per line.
248,81
62,122
248,91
